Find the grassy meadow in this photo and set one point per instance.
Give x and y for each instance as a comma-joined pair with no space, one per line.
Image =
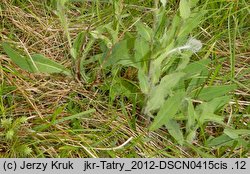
127,79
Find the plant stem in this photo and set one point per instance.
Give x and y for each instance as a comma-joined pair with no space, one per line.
150,65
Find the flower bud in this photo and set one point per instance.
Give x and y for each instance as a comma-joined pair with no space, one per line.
193,45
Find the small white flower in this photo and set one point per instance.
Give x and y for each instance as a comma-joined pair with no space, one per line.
194,44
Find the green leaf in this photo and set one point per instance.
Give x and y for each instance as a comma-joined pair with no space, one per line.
193,3
174,129
191,116
196,67
185,58
141,50
42,127
221,141
121,87
212,106
207,109
43,64
143,82
184,9
210,117
211,92
113,33
242,131
18,59
144,31
121,53
199,150
217,103
161,91
191,135
155,71
231,133
197,72
172,31
235,133
62,2
168,110
161,21
77,45
46,65
197,80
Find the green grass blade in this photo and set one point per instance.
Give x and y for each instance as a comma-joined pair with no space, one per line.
75,116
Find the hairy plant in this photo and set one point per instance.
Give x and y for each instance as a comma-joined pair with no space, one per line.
174,88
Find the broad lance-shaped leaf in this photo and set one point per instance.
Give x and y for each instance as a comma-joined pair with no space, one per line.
159,92
226,140
196,67
212,107
231,133
46,65
191,116
209,117
235,133
143,82
160,22
168,110
22,62
207,110
220,141
144,31
211,92
174,129
217,103
141,50
191,125
191,135
121,53
43,64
